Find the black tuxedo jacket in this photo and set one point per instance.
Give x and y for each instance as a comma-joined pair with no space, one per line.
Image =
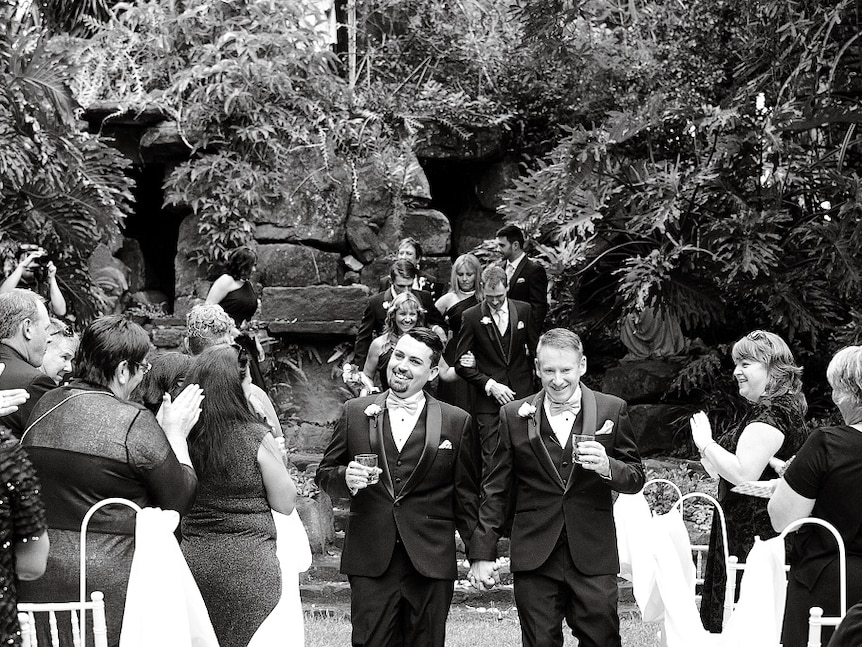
510,364
543,503
20,374
375,314
530,283
424,282
439,496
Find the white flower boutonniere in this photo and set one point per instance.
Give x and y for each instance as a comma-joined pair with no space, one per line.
527,410
373,410
520,325
386,305
485,321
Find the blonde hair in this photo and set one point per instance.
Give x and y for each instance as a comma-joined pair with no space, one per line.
470,262
844,373
390,326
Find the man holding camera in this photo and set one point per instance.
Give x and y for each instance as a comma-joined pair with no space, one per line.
36,267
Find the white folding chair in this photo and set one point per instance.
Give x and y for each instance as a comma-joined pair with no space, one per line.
816,619
96,606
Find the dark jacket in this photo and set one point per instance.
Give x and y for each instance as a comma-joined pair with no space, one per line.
544,502
530,284
20,374
512,365
424,509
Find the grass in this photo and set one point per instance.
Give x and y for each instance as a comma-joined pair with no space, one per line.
472,628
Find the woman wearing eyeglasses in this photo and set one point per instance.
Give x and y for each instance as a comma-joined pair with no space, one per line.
229,536
773,428
88,442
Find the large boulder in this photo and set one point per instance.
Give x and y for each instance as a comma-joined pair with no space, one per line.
320,309
315,203
442,142
190,282
316,514
296,265
640,381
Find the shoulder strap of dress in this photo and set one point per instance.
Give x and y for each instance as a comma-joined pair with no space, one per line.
57,406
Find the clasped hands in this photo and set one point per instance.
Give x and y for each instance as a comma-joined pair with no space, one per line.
484,574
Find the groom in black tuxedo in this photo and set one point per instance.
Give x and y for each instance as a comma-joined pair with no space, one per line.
563,548
399,546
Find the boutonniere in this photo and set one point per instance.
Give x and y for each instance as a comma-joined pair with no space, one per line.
520,325
386,305
527,410
373,410
485,320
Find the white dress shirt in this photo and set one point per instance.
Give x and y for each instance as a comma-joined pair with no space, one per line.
512,266
401,422
561,424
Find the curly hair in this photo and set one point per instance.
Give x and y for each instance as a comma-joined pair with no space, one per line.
408,302
784,376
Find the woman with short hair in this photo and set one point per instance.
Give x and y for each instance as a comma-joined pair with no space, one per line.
771,384
824,481
89,442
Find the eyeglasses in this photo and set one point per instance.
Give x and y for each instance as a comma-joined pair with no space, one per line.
241,355
756,335
145,366
66,332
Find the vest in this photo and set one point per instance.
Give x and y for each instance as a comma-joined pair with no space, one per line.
562,456
401,465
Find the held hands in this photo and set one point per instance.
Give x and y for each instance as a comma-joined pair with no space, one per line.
178,417
483,575
358,476
701,430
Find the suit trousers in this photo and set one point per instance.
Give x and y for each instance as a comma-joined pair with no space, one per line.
557,590
401,608
488,432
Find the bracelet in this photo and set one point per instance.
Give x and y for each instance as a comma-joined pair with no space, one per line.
705,447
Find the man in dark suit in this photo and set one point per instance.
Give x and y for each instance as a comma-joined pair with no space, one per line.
527,280
502,336
563,547
410,249
24,337
402,275
399,546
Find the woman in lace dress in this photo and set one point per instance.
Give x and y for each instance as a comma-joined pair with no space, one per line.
773,428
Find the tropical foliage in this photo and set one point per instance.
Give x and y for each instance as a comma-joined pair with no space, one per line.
708,168
60,188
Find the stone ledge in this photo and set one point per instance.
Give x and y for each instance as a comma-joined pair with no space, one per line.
313,305
331,327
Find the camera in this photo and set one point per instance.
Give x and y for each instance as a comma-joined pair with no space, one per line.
39,265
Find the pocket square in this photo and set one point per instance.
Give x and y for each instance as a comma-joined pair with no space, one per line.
520,280
446,444
520,325
606,428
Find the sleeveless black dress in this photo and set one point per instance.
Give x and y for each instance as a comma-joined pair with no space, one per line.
241,305
457,393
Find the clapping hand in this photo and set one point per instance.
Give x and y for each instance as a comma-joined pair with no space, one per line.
701,430
180,415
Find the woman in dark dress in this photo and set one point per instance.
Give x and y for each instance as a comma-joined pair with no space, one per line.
88,442
234,293
229,535
824,481
774,428
464,292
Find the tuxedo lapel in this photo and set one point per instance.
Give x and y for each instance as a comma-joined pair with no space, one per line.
534,424
433,431
376,426
513,327
588,426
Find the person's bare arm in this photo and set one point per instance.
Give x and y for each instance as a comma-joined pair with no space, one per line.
786,506
280,488
219,289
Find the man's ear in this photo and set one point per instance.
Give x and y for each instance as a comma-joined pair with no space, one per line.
27,329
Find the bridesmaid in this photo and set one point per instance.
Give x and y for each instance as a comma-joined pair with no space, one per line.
234,293
464,292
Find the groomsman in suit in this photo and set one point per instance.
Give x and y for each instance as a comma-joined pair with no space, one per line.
527,280
401,276
410,249
563,548
399,546
501,333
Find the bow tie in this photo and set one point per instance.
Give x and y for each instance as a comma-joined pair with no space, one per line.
556,408
410,407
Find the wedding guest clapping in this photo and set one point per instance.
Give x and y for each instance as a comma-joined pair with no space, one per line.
771,383
823,481
88,442
229,536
